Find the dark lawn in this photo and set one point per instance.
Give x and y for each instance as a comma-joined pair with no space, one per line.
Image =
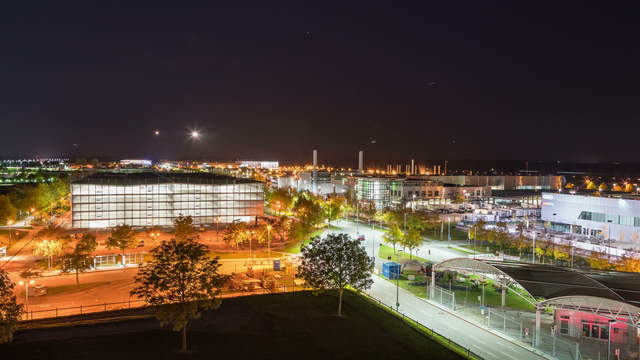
280,326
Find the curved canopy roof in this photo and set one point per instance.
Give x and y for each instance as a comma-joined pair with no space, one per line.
561,285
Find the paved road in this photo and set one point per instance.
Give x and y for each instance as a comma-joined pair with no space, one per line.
480,341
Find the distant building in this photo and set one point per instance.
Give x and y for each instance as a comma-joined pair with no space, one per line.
150,198
606,217
387,191
135,162
505,182
269,165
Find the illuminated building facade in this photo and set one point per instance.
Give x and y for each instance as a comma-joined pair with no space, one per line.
614,218
155,199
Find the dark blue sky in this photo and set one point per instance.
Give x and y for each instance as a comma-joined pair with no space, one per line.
466,79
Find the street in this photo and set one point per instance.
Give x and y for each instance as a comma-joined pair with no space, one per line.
479,340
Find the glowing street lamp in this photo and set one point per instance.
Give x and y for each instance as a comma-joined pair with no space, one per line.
156,132
26,292
195,134
269,227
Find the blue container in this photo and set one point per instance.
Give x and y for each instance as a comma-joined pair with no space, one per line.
391,270
276,265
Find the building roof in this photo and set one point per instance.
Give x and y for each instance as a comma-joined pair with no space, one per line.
154,177
552,283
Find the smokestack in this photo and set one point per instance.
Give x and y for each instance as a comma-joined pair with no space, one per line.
360,161
413,167
314,173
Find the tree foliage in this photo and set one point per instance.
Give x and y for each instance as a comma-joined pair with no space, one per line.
48,248
10,310
411,240
393,236
184,229
122,237
179,282
335,262
80,259
8,213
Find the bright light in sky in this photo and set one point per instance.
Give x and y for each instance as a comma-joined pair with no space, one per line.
156,132
195,134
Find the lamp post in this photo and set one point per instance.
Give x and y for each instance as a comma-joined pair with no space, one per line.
398,288
609,236
10,232
449,231
611,322
269,240
533,249
26,293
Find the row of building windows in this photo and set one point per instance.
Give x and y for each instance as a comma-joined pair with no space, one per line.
166,205
423,193
610,218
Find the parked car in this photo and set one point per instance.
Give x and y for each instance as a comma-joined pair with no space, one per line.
361,237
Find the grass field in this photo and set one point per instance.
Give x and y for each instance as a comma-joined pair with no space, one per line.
278,326
385,252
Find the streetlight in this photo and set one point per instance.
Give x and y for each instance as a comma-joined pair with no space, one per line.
269,227
611,322
26,293
156,132
609,236
195,134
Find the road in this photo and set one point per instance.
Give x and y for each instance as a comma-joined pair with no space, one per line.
479,340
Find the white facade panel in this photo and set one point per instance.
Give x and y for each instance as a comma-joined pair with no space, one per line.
601,217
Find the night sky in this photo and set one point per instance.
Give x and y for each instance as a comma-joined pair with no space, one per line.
465,79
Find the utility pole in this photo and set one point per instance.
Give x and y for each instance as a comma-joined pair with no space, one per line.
449,231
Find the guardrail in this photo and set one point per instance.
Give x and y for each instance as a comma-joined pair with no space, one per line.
250,289
82,309
437,337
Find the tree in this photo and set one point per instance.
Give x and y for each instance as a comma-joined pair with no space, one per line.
235,234
80,259
77,262
335,262
8,212
183,228
179,282
412,239
122,237
10,310
393,236
280,200
48,248
87,244
628,262
334,208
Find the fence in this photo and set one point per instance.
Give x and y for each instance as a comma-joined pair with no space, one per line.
247,289
443,340
82,309
444,297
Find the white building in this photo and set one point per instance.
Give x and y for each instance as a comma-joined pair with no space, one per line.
135,162
269,165
155,199
604,217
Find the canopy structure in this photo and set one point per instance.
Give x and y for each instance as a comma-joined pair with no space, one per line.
609,293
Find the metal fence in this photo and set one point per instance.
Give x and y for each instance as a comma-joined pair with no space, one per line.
443,297
247,289
435,335
82,309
